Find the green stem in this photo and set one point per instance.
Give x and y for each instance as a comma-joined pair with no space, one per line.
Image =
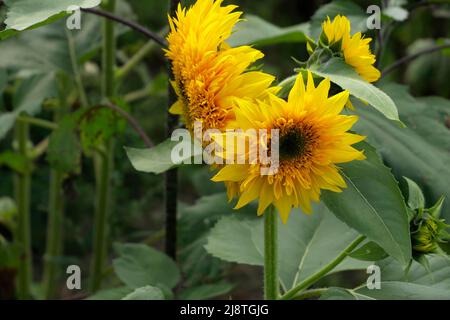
138,94
54,244
138,57
38,122
171,176
75,69
324,271
22,186
271,283
54,228
135,60
105,161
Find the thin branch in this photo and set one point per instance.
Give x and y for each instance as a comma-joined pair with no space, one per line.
411,57
133,122
133,25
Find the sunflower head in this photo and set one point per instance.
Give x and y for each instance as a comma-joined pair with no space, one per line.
208,74
312,138
355,48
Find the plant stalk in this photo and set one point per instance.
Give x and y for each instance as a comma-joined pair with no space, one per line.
22,194
45,124
54,232
55,240
105,160
171,176
271,282
291,294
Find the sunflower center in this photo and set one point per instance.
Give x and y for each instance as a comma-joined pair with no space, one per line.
293,144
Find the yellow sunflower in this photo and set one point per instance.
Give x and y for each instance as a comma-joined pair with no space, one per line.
313,139
208,74
355,48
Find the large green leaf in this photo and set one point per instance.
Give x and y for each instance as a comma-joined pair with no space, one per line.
145,293
26,14
390,290
373,204
420,151
159,159
346,77
306,243
26,54
139,265
396,290
356,15
238,248
438,275
256,31
194,225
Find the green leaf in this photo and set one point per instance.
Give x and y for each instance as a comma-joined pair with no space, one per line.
344,76
373,204
32,92
26,14
145,293
25,53
7,121
342,294
159,159
369,251
64,149
239,248
206,291
99,125
438,276
256,31
306,243
395,290
416,199
139,265
111,294
352,11
28,98
420,151
16,162
194,225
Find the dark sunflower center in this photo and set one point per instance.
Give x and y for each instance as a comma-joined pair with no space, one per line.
292,144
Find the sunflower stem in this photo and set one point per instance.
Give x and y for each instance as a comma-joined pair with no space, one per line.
22,194
271,284
291,294
54,244
171,176
104,159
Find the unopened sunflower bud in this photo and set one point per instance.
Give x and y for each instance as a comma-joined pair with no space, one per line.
427,230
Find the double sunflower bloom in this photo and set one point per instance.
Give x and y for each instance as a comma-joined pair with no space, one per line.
216,87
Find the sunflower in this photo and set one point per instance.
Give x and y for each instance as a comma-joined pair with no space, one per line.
208,74
313,138
355,48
